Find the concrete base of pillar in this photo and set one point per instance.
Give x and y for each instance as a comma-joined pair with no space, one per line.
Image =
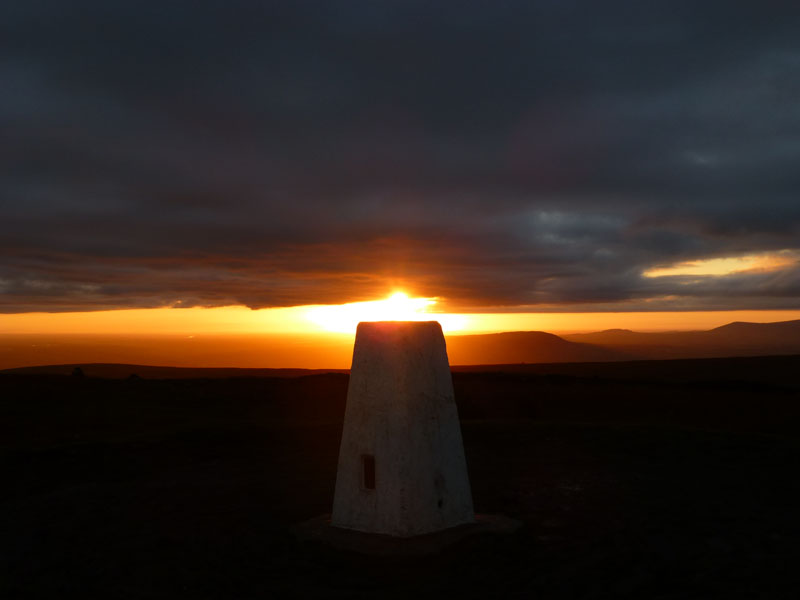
319,530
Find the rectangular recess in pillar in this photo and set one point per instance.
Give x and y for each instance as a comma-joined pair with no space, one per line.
367,471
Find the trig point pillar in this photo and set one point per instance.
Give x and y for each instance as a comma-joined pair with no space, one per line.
402,470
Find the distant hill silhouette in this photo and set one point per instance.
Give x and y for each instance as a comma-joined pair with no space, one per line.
525,347
735,339
781,332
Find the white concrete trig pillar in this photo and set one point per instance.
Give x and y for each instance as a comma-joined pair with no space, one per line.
402,470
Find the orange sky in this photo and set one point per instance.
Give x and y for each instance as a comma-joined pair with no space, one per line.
343,319
302,336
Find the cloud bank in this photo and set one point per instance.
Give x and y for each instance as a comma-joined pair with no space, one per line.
497,155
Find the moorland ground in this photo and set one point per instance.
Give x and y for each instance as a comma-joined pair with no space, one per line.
639,480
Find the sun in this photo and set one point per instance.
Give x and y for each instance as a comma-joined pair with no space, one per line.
344,318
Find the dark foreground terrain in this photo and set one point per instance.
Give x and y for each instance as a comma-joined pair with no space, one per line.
645,480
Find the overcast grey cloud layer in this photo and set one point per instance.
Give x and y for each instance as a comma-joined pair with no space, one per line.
497,154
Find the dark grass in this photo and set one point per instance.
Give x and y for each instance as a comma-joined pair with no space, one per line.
628,489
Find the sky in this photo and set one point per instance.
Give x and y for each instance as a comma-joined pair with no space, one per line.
512,158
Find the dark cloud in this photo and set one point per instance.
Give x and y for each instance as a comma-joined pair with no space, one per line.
510,154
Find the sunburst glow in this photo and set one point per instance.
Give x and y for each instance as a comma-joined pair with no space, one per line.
344,318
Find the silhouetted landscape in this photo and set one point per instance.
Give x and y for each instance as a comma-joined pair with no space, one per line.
734,339
252,353
633,479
